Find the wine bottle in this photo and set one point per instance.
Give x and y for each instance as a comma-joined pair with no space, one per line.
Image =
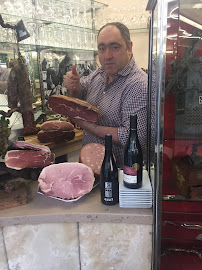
109,175
133,158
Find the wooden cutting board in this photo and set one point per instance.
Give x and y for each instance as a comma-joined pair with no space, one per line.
14,198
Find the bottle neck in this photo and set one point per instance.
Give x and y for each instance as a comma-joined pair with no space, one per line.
133,122
108,150
108,145
133,132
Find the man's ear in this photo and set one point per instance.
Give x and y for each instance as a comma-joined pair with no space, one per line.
130,46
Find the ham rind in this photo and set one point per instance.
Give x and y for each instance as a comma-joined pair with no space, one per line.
21,159
67,180
92,155
56,125
45,136
73,108
22,145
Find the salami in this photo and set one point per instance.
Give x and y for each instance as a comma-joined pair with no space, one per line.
73,108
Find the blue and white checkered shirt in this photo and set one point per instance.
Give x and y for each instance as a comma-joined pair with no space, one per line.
125,95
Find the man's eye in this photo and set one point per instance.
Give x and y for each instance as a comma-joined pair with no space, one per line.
101,49
115,48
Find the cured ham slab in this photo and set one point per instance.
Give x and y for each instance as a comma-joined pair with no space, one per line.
68,180
56,131
73,108
45,136
22,145
21,159
92,155
28,155
56,125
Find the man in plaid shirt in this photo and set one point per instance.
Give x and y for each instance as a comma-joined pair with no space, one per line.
118,89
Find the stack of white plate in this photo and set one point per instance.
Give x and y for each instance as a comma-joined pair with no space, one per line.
136,198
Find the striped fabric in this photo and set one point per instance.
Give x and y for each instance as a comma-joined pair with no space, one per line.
125,95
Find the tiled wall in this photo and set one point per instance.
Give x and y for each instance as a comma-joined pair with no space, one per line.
76,246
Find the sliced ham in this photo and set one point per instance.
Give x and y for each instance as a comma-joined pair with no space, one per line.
22,145
73,108
21,159
56,125
66,180
92,155
45,136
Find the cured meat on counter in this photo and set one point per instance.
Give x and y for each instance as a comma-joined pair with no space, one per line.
28,146
56,131
45,136
92,155
56,125
28,155
21,159
68,180
73,108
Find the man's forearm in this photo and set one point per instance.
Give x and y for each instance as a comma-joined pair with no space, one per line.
99,131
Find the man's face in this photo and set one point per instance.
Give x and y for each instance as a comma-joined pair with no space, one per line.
112,50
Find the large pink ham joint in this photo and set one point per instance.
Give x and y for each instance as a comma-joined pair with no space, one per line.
67,180
28,155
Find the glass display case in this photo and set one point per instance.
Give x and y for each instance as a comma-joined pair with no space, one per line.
62,33
175,76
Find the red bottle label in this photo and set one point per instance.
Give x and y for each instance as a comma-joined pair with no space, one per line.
130,170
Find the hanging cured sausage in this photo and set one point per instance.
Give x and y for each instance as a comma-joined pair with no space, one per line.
20,95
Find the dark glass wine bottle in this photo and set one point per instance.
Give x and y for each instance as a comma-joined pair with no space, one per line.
109,175
133,158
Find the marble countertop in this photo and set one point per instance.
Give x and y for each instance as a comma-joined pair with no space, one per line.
43,209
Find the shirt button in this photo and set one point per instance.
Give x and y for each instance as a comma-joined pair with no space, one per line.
103,92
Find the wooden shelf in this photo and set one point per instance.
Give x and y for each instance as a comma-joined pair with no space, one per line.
62,148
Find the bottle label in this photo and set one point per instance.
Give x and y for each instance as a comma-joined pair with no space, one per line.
108,191
130,173
131,179
131,170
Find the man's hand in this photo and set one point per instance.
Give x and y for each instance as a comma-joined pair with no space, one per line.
72,81
84,124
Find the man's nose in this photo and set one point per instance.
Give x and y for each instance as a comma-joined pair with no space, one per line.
108,53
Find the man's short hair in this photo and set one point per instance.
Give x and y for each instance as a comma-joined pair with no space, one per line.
122,28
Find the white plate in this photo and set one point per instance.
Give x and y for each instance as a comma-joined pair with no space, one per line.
135,203
137,200
134,193
136,206
65,200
